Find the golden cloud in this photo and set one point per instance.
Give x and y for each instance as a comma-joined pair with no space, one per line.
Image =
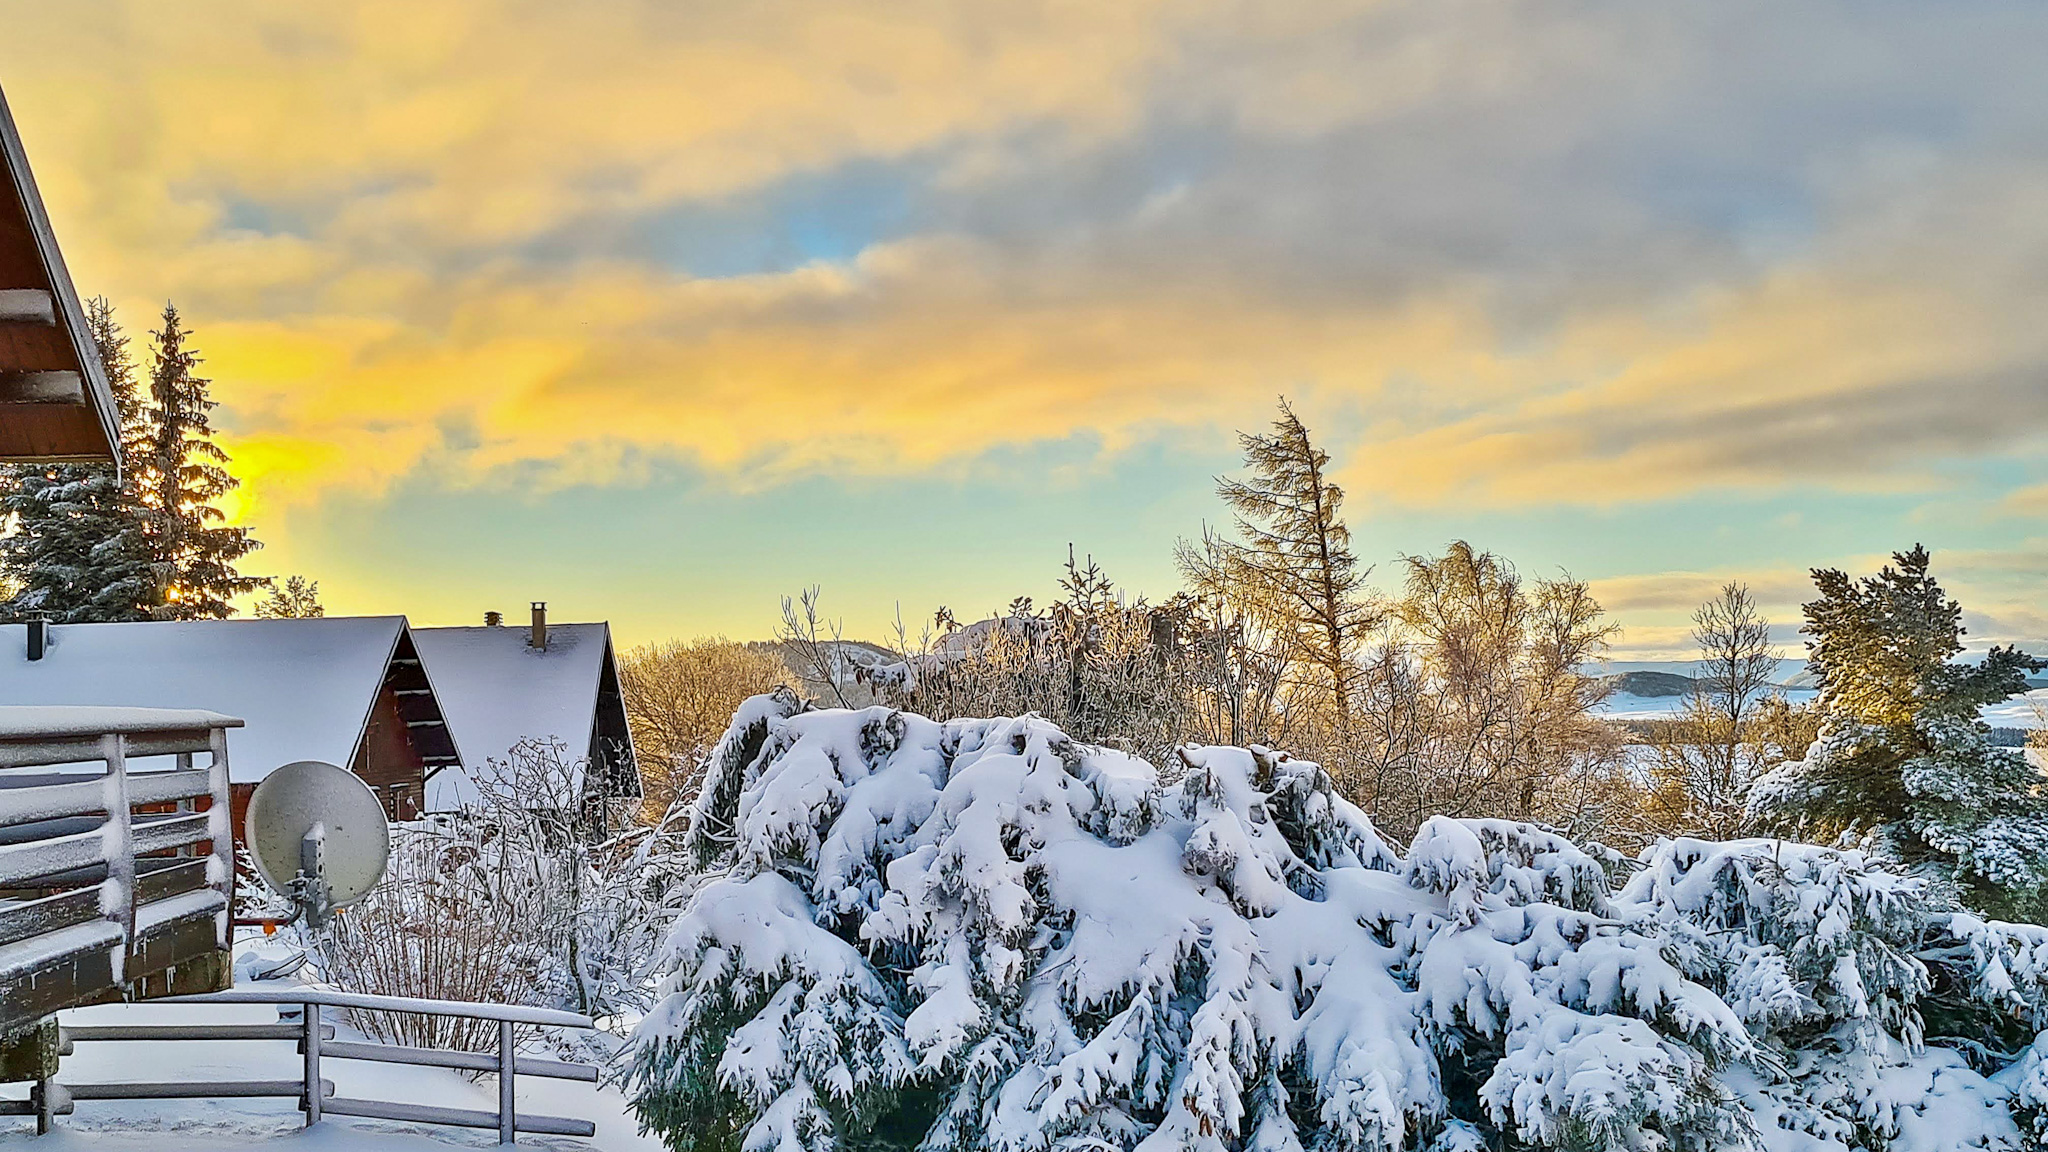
1366,206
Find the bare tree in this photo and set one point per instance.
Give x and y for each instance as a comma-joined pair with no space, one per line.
679,698
1239,644
1474,701
815,644
1106,668
1707,758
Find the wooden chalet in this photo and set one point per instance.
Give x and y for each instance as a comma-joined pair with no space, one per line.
55,404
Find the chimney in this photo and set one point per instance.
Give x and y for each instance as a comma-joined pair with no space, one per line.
493,619
539,639
38,635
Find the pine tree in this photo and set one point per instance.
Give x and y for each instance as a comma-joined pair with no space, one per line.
1295,545
80,549
1903,759
184,472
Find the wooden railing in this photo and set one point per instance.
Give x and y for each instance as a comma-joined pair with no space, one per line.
49,1098
98,900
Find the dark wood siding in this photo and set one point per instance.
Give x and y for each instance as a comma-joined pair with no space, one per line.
388,760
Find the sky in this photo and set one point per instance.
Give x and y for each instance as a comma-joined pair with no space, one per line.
659,312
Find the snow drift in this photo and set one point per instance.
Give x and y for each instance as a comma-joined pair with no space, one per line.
983,935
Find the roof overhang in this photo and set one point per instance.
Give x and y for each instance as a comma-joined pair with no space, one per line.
55,404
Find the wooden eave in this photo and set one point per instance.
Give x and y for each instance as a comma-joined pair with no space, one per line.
55,404
406,676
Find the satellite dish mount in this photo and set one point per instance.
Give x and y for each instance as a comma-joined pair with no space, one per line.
309,887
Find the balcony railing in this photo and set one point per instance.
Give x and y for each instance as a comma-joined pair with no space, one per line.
116,880
51,1098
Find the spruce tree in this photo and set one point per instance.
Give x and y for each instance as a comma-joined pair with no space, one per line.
80,550
1903,760
184,472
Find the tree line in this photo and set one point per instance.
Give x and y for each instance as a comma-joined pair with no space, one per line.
1465,691
87,543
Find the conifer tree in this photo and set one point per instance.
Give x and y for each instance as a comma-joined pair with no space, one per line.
293,598
183,474
79,550
1903,759
1295,546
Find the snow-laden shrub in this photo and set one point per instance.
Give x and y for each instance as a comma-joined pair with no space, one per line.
983,935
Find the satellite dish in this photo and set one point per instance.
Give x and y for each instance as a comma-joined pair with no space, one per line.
318,836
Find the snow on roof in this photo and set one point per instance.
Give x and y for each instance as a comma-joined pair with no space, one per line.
303,688
496,690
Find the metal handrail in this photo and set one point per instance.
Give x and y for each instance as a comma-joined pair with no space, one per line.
316,1043
370,1002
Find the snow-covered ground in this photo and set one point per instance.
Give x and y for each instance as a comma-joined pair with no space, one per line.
204,1125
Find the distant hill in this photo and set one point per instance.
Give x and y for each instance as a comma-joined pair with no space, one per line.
1650,685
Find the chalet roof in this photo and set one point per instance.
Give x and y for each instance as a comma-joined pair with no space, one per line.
55,403
304,688
496,690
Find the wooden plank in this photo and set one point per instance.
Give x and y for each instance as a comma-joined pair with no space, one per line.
20,862
29,996
168,787
41,751
88,795
27,306
52,801
170,832
191,1089
46,386
36,348
49,829
154,884
104,420
49,914
368,1002
56,433
124,1032
172,943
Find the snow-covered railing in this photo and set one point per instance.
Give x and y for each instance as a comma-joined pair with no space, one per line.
316,1043
99,900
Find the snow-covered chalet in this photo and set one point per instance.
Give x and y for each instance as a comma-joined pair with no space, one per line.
419,713
550,683
348,690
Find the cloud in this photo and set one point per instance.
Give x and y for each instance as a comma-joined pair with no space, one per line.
1543,253
1775,590
2031,500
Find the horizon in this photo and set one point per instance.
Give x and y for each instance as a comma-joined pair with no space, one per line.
659,315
